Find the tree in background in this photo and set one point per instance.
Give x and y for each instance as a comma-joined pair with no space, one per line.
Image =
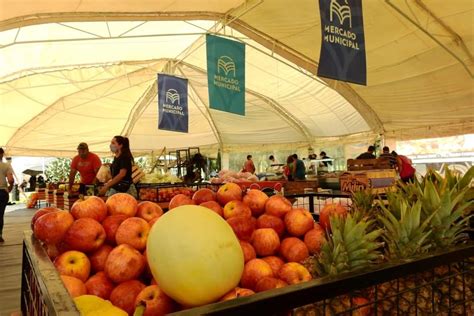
58,170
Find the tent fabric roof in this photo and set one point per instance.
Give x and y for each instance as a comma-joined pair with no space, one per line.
67,76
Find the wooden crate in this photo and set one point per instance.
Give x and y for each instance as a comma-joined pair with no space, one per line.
50,197
368,164
378,180
59,199
300,187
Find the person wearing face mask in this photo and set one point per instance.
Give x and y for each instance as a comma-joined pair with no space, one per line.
121,169
87,164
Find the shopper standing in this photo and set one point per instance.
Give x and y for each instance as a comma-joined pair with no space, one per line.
87,164
121,169
300,169
369,154
387,155
6,185
405,168
289,168
325,163
248,165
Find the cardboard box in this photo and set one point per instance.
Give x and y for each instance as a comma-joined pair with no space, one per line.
380,181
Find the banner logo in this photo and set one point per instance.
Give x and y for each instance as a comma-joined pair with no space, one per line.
173,114
172,96
342,54
226,64
343,12
226,74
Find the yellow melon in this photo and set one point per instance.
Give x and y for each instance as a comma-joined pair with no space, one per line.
194,255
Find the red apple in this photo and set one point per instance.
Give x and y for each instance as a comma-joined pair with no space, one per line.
90,207
298,222
124,295
153,221
73,263
124,263
236,208
329,210
41,212
256,199
149,210
111,224
314,239
269,283
275,263
99,285
229,192
179,200
277,206
293,249
236,293
293,273
51,227
254,270
134,232
265,241
52,251
122,203
243,226
204,195
363,306
214,206
85,234
99,257
270,221
156,302
249,252
74,286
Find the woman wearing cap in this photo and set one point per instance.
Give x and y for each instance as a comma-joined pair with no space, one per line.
121,169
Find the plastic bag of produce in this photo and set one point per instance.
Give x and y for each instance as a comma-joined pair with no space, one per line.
104,174
32,199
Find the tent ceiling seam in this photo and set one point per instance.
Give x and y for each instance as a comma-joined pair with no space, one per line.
208,117
25,128
398,10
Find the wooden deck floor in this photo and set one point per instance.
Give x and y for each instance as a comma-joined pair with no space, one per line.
10,259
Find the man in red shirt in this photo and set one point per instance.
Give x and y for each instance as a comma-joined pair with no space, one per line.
248,165
87,164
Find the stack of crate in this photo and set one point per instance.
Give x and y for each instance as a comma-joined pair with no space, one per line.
59,199
69,200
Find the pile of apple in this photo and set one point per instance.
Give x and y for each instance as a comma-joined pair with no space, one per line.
274,236
99,247
163,194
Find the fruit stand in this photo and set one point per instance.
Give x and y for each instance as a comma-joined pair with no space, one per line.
44,294
235,251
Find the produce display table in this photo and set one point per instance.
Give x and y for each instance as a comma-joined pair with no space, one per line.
44,294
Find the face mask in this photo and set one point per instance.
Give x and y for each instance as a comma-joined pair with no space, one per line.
113,148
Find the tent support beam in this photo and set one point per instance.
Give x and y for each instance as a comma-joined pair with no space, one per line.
285,115
207,115
139,107
399,11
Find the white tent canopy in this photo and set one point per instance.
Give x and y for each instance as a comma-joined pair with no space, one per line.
68,76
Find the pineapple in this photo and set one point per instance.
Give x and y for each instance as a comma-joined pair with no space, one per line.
406,236
351,246
441,223
363,203
446,200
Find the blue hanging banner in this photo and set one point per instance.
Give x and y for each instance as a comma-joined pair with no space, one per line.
226,74
343,46
173,103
